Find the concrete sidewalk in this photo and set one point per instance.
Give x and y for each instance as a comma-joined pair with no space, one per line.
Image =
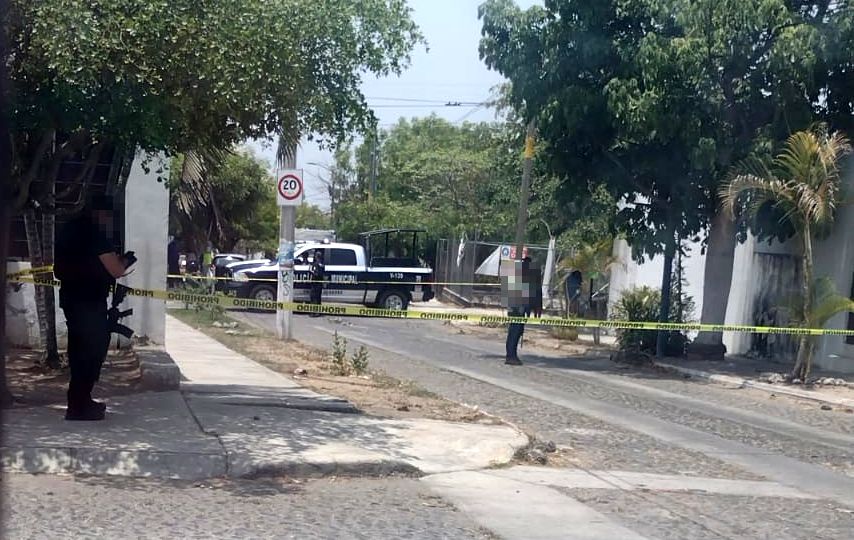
795,391
234,417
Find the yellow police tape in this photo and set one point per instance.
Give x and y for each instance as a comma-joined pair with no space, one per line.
29,271
191,277
226,301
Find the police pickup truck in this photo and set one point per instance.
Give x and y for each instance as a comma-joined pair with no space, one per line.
383,272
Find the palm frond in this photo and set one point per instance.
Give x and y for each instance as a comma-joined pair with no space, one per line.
193,194
286,148
827,303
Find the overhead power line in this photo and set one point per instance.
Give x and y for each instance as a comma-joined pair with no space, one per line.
434,101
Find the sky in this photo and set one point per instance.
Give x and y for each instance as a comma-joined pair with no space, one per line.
447,70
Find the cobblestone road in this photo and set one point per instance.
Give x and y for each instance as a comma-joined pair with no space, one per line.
461,367
56,508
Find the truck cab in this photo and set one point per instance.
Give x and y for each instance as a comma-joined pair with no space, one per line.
383,271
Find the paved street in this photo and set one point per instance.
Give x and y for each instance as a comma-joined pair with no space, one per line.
110,509
617,419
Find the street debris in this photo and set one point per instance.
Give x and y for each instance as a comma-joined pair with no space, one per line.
831,381
219,324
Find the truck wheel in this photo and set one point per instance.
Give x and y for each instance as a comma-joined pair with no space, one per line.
393,300
264,293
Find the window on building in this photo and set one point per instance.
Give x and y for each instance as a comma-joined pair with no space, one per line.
342,257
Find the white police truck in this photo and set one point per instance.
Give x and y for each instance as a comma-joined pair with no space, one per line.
385,271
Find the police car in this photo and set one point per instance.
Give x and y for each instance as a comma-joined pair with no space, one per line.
384,272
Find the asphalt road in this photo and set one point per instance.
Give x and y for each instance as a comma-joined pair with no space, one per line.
616,418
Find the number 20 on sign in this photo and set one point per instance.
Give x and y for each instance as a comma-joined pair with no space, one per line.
289,188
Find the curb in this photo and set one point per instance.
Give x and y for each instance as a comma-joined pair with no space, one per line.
765,387
158,372
307,469
113,462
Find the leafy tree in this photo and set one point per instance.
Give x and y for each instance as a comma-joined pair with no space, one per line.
310,216
611,111
803,182
449,179
234,204
186,75
658,98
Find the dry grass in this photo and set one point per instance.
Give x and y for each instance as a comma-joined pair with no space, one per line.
375,393
540,337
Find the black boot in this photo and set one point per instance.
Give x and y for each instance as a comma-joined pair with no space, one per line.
91,403
81,406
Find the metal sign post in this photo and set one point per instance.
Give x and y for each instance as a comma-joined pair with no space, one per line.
289,194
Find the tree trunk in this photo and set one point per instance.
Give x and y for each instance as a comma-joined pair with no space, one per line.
806,345
48,236
34,246
666,289
5,204
5,221
718,276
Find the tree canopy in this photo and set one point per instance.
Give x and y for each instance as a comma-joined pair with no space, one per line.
235,207
656,99
182,75
431,173
310,216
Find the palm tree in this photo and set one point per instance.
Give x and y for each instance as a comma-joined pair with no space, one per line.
804,183
593,260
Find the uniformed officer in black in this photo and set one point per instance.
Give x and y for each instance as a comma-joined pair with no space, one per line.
87,266
318,271
524,297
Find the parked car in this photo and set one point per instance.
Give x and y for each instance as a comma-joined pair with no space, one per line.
390,279
221,260
237,266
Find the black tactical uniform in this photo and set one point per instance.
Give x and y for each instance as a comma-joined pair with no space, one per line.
318,271
85,285
524,297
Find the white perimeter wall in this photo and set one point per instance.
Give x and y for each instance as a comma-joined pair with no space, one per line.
146,233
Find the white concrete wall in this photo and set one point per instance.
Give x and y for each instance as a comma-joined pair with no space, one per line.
146,233
834,258
22,326
627,274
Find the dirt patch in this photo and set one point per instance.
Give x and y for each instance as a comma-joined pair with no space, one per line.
373,392
35,385
539,337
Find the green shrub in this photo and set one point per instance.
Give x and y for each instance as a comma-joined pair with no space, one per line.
215,311
340,365
359,362
564,333
642,304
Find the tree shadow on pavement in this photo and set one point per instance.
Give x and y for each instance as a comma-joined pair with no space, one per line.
263,487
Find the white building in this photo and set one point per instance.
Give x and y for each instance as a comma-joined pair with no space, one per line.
763,277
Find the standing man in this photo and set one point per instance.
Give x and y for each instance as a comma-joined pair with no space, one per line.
173,261
208,267
87,266
318,272
524,294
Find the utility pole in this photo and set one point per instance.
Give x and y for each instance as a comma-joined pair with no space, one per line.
527,169
287,224
372,189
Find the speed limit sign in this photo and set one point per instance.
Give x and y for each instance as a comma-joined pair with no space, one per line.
290,188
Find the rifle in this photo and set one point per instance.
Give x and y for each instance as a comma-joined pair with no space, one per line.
114,315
